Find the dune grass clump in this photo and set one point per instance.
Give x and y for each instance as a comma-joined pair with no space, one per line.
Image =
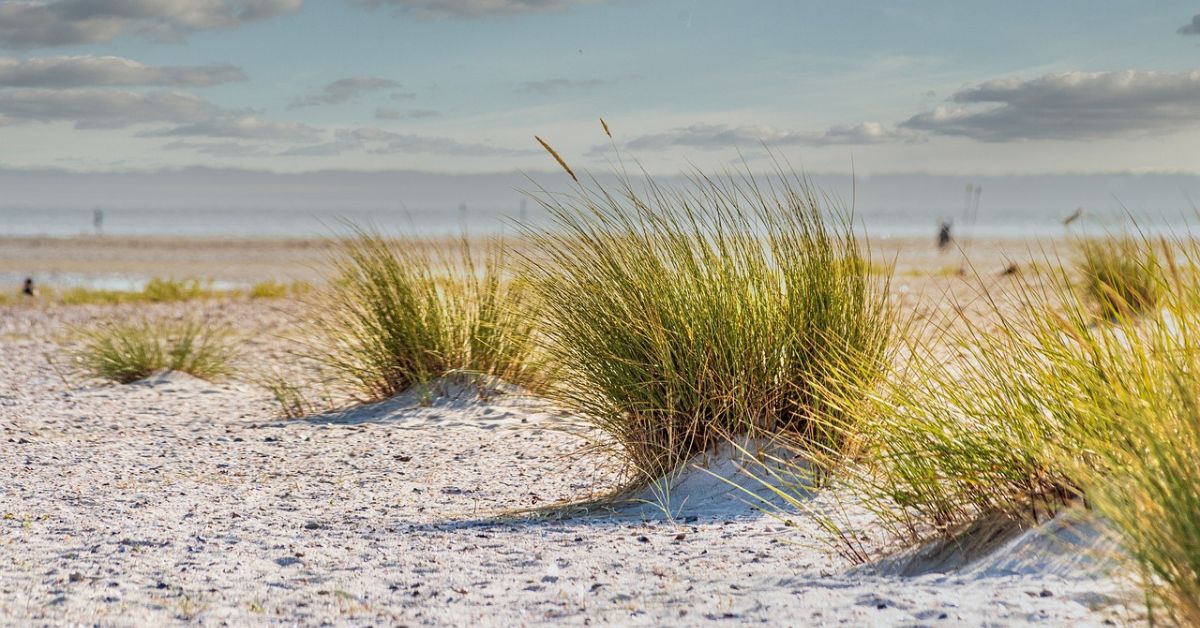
128,351
727,307
1056,404
1147,471
1122,275
398,313
988,417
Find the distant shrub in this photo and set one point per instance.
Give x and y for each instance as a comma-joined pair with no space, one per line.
268,290
271,289
159,290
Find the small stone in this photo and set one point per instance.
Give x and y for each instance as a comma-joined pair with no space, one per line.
1046,593
312,525
75,577
643,539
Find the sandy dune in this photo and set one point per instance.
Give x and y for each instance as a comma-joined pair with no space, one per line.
177,500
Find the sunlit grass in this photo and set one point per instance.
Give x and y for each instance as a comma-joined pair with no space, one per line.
398,313
128,351
271,289
158,290
1049,402
731,306
1122,275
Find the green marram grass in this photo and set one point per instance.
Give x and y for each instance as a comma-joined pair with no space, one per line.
402,312
1146,473
1054,403
730,306
128,351
1122,275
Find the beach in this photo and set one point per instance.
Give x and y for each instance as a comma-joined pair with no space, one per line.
176,500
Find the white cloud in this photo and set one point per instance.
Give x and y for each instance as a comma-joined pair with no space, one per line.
379,141
37,23
716,136
1068,106
243,126
219,149
90,109
84,71
111,109
433,9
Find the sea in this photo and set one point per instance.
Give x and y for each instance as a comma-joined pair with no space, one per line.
289,223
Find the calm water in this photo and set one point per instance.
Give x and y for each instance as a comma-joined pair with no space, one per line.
296,224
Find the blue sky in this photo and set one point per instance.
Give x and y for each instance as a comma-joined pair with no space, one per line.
463,85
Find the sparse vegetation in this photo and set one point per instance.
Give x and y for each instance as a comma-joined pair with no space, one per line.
399,313
271,289
128,351
294,400
156,290
733,306
161,290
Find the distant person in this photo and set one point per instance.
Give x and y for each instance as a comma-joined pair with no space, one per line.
944,238
98,220
28,289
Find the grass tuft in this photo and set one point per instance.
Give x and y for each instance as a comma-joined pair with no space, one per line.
1122,276
1043,405
403,312
128,351
729,306
271,289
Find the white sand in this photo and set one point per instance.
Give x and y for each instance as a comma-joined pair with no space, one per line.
179,500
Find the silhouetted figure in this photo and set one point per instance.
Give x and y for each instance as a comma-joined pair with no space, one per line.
944,237
98,220
28,289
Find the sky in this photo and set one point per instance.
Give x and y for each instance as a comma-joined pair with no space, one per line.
463,86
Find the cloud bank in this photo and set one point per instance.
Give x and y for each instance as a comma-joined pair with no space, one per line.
718,136
89,71
377,141
1068,106
33,24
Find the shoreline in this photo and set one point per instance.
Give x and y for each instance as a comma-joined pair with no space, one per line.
242,259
